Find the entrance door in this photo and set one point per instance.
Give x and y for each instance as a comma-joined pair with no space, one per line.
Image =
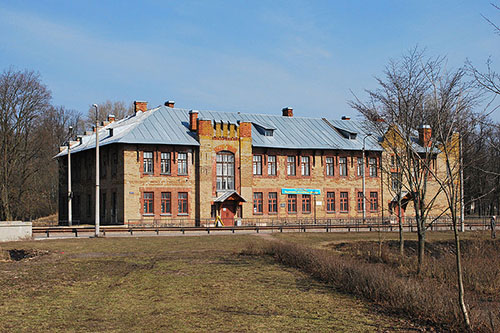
227,212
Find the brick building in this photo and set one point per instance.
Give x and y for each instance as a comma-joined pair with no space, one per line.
179,165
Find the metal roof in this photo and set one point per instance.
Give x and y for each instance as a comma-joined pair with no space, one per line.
164,125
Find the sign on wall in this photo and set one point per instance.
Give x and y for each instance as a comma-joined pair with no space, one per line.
300,191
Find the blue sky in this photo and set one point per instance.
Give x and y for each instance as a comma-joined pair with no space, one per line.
249,56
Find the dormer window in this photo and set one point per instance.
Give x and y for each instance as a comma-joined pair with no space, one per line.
268,132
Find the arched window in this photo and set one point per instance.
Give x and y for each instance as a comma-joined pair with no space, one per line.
225,171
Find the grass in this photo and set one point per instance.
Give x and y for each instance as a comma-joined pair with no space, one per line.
169,284
357,264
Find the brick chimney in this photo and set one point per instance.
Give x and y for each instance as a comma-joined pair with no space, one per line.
111,118
193,120
287,112
169,104
140,106
346,118
424,135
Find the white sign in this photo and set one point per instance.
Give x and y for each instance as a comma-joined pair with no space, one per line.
319,203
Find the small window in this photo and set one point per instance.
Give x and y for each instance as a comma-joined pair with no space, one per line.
273,202
268,132
344,202
114,165
306,203
148,162
343,166
166,203
395,183
330,167
148,203
360,201
330,202
305,166
360,168
182,165
271,165
165,163
257,202
373,201
393,161
290,165
373,167
257,164
292,203
182,201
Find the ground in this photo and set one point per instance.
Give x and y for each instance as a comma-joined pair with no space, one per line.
169,284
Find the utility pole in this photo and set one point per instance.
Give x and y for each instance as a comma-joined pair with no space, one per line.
96,172
70,193
363,171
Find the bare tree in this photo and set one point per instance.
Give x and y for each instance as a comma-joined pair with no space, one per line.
400,102
23,99
119,109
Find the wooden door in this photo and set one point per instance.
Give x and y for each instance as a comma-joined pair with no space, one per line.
227,214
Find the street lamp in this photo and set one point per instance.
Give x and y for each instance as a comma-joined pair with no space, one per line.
96,172
363,171
70,194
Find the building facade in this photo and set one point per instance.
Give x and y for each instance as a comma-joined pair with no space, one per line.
179,166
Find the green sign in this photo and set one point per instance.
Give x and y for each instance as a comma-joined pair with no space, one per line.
300,191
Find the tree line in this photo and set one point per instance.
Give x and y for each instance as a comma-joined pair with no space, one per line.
32,129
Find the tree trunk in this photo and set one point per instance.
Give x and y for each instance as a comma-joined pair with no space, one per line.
401,239
460,281
421,249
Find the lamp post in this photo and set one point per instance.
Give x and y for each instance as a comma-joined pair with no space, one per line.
96,172
363,171
70,194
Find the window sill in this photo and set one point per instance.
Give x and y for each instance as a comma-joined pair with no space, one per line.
148,215
346,212
273,213
258,213
330,212
292,213
306,213
166,214
183,214
165,174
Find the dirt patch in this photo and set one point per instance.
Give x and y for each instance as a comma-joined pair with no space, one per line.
22,254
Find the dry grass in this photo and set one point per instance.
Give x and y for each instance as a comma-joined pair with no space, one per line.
169,284
356,267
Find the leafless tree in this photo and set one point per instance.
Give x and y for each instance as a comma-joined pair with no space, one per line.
23,99
119,109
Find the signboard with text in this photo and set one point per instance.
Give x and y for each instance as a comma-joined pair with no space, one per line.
300,191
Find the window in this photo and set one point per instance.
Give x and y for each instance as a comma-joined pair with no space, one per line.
290,165
344,202
292,203
182,166
372,162
182,200
165,163
306,203
166,203
225,171
271,165
148,203
113,207
330,202
148,162
89,205
360,201
360,167
268,132
304,166
257,202
330,167
103,206
393,161
257,164
104,164
273,202
373,201
114,165
343,166
395,181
